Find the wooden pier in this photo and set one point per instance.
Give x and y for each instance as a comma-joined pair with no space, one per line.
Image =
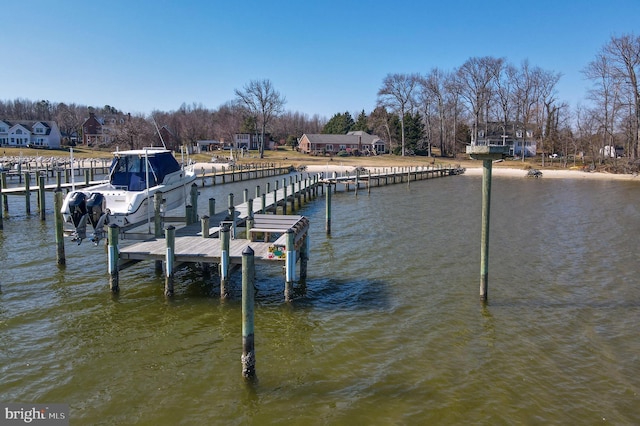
208,176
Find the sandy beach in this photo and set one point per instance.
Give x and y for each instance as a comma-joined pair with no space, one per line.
552,174
506,172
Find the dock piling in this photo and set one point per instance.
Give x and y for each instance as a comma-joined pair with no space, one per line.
290,266
486,153
328,210
112,238
41,197
57,217
248,340
486,207
224,261
170,235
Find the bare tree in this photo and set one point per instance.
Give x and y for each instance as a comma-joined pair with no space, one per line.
604,94
476,78
624,56
263,102
398,93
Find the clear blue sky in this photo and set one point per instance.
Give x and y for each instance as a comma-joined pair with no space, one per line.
325,57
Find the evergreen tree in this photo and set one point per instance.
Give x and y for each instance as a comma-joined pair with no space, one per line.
339,124
413,133
361,123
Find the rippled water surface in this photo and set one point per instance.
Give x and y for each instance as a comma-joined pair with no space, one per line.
390,329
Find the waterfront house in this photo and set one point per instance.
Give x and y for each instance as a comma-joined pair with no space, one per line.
30,133
251,141
102,130
512,135
359,142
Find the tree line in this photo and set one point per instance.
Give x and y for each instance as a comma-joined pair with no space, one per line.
441,109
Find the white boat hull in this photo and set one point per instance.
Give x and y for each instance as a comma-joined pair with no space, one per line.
125,200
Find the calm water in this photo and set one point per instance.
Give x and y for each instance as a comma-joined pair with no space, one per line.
390,330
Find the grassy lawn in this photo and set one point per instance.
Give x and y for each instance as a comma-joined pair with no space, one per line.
288,156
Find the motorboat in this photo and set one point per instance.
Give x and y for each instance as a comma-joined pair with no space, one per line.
126,198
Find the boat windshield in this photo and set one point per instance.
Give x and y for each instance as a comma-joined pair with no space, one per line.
130,172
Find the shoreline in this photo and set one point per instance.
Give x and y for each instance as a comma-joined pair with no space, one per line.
509,172
470,171
552,174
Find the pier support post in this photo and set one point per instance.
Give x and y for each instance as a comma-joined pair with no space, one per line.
41,197
486,153
204,222
3,183
112,238
304,257
27,192
328,210
248,340
58,220
290,266
170,236
249,220
212,207
224,261
157,214
194,203
284,200
188,214
486,207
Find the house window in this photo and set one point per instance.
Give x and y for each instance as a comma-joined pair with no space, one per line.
18,132
39,130
481,133
518,133
329,147
529,133
343,147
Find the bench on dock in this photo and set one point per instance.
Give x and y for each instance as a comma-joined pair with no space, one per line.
268,224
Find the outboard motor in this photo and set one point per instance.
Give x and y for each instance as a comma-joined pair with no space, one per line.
77,207
78,210
98,215
95,207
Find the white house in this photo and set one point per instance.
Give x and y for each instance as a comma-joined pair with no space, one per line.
512,135
30,133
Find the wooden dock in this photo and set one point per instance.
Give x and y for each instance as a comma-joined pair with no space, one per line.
190,248
387,176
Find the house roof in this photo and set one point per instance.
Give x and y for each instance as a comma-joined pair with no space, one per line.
29,124
349,138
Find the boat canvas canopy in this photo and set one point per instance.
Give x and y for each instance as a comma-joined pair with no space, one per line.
130,170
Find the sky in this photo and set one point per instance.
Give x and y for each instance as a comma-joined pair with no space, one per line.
324,57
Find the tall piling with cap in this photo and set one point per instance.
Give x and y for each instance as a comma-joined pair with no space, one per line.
248,297
486,153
